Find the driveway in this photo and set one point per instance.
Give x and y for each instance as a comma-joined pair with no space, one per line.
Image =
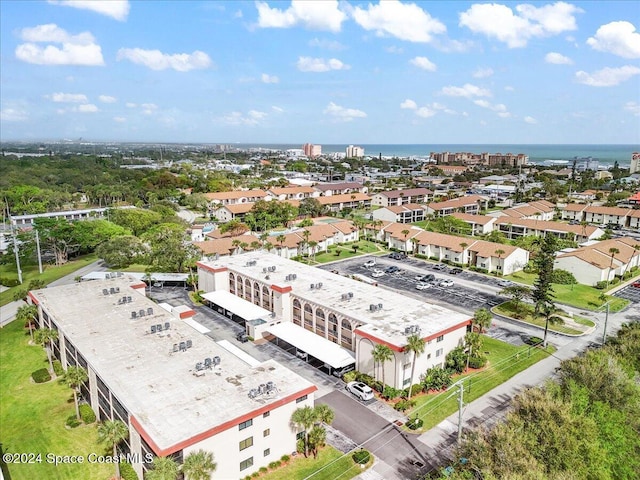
395,450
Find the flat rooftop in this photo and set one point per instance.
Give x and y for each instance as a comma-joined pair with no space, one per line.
346,296
157,385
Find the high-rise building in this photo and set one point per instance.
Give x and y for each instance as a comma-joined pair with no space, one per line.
355,152
311,150
635,163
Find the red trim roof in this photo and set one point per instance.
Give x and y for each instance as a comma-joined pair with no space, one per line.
217,429
426,339
279,289
33,298
211,269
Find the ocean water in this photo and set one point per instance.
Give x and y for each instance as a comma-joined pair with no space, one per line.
605,154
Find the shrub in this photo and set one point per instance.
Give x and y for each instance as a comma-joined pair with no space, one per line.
300,446
57,368
456,360
361,456
436,378
127,472
41,375
72,422
404,405
9,282
255,474
263,470
248,477
601,285
477,362
285,458
273,465
86,413
350,376
20,294
419,255
414,423
390,393
563,277
37,284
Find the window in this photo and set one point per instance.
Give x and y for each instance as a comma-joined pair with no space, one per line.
267,452
440,338
266,433
300,436
428,356
439,352
301,399
246,443
246,463
406,381
266,414
246,424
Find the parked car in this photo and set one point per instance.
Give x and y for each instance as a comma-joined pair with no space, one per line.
506,283
377,274
455,271
430,277
446,283
420,277
392,269
360,390
440,266
370,263
422,286
242,336
636,284
339,372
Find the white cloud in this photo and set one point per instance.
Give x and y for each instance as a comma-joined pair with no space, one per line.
156,60
409,104
425,112
13,115
619,38
517,28
483,73
424,63
314,15
277,109
78,49
86,108
509,88
149,108
309,64
326,44
67,97
238,14
118,9
394,49
557,59
131,105
445,109
499,108
607,77
405,21
530,120
632,107
343,114
107,99
119,119
467,91
252,118
266,78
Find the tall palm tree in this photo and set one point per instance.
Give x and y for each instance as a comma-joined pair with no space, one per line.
416,345
324,413
548,309
46,337
482,319
317,439
406,233
613,251
382,354
464,246
163,468
313,245
112,432
199,465
75,377
27,314
304,417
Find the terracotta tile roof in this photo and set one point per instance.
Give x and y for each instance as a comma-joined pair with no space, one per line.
405,208
574,207
608,210
456,202
635,214
593,257
409,192
547,225
450,242
598,254
323,187
224,246
345,227
291,190
470,218
343,198
236,208
488,249
395,230
234,194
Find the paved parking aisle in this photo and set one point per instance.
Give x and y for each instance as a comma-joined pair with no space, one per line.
629,292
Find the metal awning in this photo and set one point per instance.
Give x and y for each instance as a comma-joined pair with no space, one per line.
238,306
322,349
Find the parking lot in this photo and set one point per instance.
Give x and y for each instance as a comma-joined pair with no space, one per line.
630,293
469,292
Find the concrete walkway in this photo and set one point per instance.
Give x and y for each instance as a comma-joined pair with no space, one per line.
8,312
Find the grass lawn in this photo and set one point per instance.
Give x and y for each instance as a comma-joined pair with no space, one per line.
504,361
33,415
334,464
50,273
580,296
508,310
346,251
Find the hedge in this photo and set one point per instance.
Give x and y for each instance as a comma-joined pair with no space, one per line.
361,457
87,414
41,375
72,422
477,362
127,472
414,423
57,368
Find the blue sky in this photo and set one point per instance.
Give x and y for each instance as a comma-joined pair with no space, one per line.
320,71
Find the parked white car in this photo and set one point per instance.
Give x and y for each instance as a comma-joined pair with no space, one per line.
370,263
422,286
377,274
360,390
446,283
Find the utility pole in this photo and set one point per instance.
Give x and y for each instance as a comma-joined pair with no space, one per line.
38,248
606,320
15,250
460,391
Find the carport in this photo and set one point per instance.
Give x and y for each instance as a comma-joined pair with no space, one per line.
308,344
237,309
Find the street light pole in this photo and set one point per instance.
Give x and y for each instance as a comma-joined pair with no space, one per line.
606,320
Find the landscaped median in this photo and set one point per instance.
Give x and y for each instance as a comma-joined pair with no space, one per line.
561,322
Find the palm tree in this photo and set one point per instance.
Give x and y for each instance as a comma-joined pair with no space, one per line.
474,342
415,344
482,319
235,244
324,414
75,377
499,252
199,465
268,246
381,354
304,417
27,314
464,246
112,432
255,245
163,468
612,251
317,439
313,246
548,309
45,337
406,233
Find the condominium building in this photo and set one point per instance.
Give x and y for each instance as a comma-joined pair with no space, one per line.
177,390
635,163
311,150
354,152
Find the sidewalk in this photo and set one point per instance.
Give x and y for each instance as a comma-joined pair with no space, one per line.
8,312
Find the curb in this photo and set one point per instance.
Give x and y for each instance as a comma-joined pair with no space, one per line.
573,335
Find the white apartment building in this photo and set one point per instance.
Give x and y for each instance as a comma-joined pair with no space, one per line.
354,152
176,389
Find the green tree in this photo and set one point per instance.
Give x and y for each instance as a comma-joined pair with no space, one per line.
74,377
304,418
542,289
122,251
613,251
113,432
324,413
163,468
46,337
136,220
199,465
27,315
234,228
317,439
482,319
517,293
169,249
310,207
415,345
548,310
382,354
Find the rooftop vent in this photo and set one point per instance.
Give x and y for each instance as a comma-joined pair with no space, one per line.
149,311
411,329
134,314
105,291
268,388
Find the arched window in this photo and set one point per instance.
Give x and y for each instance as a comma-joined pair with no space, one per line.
333,327
346,335
247,289
321,326
266,298
308,317
240,287
297,315
232,283
346,325
256,293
